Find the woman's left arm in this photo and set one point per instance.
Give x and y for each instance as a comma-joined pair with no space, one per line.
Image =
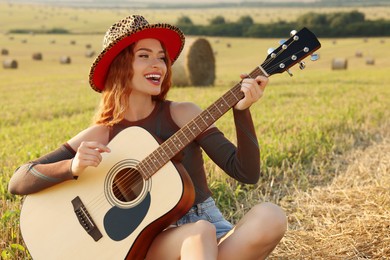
241,162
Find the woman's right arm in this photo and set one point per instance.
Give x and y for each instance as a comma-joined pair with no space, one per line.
63,164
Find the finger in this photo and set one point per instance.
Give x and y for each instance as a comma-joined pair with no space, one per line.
244,75
87,159
262,81
96,146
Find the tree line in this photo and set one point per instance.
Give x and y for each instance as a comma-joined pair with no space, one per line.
338,24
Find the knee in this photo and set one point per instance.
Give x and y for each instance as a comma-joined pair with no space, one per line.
272,220
201,232
205,228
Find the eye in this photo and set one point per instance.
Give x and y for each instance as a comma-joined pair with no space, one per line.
143,55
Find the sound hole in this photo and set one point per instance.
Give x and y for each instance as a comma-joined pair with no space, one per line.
127,185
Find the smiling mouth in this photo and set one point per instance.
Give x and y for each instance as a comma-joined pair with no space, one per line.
155,78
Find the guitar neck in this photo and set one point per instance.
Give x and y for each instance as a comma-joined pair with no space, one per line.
178,141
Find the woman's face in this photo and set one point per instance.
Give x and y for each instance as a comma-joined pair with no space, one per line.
149,67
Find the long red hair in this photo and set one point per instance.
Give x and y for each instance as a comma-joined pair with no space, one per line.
115,96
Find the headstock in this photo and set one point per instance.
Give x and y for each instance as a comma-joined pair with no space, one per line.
300,45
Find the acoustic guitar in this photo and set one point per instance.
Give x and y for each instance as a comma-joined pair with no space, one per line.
114,211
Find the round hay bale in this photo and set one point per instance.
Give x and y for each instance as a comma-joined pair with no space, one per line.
10,64
72,42
65,60
37,56
90,53
358,54
196,64
88,46
370,61
339,64
4,52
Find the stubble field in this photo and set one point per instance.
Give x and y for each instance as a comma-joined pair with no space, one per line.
315,129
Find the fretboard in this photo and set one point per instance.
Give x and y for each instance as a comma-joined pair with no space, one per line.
178,141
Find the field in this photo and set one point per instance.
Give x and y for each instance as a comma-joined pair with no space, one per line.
324,134
84,20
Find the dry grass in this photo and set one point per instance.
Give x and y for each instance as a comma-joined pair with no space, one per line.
348,219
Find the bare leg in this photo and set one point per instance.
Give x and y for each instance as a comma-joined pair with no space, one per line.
190,241
255,235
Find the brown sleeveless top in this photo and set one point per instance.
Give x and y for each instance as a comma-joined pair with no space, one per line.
243,168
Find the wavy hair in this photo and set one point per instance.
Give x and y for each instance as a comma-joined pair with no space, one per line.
117,89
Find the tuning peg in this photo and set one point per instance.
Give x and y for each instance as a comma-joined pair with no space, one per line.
270,50
293,32
289,73
282,41
302,65
314,57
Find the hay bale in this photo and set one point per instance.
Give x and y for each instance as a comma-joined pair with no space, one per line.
196,64
358,54
65,60
37,56
90,53
10,64
4,52
370,61
339,64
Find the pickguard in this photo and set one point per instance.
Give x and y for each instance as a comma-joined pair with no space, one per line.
119,223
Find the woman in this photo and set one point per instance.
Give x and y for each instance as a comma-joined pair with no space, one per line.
133,73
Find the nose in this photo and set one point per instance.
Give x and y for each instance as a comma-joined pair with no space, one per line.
157,62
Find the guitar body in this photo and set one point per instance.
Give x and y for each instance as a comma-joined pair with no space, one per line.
87,219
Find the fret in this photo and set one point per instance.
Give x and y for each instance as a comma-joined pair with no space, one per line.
154,158
162,152
204,121
199,130
148,163
209,114
177,138
165,151
141,168
183,134
192,129
216,105
200,123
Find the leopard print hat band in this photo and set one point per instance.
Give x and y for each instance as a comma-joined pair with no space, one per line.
127,31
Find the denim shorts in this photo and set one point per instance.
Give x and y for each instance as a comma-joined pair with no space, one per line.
207,210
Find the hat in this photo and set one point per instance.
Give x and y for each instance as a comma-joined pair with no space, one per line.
127,31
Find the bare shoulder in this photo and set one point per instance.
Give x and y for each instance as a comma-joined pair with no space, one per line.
183,112
96,133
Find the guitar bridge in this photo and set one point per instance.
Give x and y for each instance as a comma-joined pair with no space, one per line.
85,219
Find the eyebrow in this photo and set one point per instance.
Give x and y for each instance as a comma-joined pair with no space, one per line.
148,50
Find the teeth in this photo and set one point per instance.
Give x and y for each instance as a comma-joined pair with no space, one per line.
153,76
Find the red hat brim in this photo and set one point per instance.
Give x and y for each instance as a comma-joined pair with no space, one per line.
170,36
